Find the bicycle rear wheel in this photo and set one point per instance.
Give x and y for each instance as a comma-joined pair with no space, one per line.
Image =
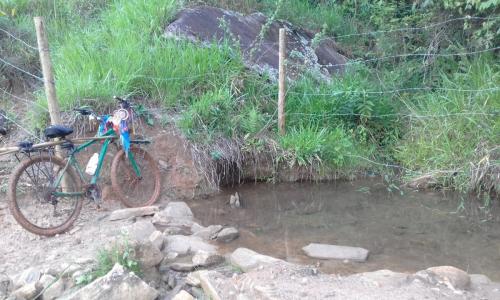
136,191
32,201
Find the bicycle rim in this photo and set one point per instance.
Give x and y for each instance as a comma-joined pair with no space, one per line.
132,190
31,198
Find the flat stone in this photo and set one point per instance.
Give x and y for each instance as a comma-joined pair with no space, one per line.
182,267
139,231
118,284
246,259
206,233
205,259
157,239
324,251
459,279
186,244
227,235
183,295
133,212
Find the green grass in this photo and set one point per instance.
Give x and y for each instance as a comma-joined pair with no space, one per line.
460,127
107,258
116,47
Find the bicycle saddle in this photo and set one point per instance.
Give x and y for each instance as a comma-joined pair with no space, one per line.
57,131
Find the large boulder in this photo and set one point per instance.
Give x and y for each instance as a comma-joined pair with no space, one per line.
118,284
324,251
260,51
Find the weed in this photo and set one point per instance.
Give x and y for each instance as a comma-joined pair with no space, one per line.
106,258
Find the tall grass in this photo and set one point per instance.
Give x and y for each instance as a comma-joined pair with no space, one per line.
452,131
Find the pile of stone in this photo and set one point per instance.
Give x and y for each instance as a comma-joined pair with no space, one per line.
167,244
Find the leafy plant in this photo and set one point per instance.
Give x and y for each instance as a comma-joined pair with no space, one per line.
106,258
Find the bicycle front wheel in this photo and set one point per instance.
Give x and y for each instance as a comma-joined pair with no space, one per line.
134,190
34,200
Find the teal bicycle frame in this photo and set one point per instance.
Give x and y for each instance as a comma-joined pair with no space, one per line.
108,137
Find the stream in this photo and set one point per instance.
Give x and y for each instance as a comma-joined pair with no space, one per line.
405,231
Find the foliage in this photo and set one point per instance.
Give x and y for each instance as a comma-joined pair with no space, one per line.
447,143
103,48
106,259
315,146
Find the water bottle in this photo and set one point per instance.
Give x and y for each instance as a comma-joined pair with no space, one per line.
92,164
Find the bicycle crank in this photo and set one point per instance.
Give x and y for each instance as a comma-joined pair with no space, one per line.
94,193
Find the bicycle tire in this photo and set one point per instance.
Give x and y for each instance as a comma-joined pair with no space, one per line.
122,176
13,199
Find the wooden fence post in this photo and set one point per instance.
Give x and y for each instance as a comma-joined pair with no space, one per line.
48,75
282,81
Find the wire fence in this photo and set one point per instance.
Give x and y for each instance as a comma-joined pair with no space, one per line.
28,102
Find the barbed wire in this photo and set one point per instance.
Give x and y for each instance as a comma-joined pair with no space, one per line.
395,91
18,39
20,69
401,29
23,128
411,55
417,116
23,99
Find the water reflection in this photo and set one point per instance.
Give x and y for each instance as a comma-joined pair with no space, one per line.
406,232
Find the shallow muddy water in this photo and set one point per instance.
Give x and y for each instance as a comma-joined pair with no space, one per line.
404,233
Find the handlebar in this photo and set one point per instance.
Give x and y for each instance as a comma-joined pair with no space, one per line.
125,104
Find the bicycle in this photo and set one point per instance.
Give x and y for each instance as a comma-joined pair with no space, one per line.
44,181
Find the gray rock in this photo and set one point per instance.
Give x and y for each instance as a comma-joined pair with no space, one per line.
176,218
246,259
30,275
186,244
324,251
183,295
182,267
6,285
28,291
479,279
133,212
227,235
206,233
157,239
206,259
118,284
55,290
148,255
459,279
139,231
203,24
176,210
